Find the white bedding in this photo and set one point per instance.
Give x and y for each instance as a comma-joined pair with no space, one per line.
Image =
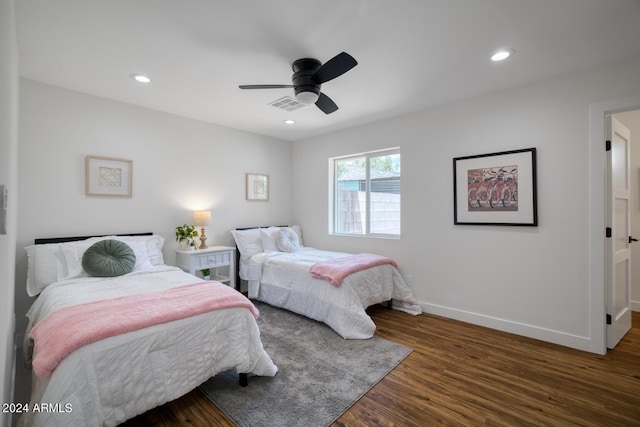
283,280
112,380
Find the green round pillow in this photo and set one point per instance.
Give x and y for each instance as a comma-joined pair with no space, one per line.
108,258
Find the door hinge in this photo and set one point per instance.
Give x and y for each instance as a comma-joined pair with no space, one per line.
607,145
608,319
607,232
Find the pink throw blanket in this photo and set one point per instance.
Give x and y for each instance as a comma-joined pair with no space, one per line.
70,328
335,270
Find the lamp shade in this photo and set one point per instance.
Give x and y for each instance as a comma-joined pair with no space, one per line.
201,218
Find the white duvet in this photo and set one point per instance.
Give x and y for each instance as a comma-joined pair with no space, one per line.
283,280
112,380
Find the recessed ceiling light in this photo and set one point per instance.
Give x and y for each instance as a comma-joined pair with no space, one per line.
289,122
502,54
140,78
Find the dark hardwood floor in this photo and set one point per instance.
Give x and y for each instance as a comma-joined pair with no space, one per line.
465,375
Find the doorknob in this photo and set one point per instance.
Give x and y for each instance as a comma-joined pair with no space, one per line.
631,239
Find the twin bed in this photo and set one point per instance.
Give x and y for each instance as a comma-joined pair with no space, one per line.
116,378
94,369
277,267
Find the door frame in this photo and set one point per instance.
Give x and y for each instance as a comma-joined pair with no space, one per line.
597,215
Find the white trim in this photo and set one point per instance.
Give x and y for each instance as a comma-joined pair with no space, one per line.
333,184
535,332
367,153
19,340
12,392
635,305
597,222
332,202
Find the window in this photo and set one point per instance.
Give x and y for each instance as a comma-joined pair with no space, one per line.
366,194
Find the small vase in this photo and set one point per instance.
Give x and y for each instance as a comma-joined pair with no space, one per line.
206,277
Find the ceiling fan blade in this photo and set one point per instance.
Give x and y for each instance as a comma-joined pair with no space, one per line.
336,66
326,104
265,86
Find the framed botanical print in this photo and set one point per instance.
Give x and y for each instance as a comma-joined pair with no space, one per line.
108,176
257,186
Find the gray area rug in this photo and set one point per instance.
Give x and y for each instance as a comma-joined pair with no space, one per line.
320,374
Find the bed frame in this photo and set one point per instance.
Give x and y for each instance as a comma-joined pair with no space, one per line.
243,379
74,239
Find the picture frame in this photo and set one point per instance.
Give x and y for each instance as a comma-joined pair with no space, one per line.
496,189
257,187
108,176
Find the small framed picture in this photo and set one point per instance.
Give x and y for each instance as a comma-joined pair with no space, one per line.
496,189
108,176
257,186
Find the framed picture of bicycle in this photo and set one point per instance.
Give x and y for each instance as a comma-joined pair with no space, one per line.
495,189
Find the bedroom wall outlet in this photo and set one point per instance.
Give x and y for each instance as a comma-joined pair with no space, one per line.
3,209
410,280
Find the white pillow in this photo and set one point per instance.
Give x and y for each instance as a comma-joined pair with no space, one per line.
249,244
42,267
154,245
71,256
287,240
140,250
51,262
298,231
248,241
268,238
148,251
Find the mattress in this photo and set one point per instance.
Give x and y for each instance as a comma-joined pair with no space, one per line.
117,378
282,279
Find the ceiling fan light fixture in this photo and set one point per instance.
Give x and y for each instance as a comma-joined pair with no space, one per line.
307,97
308,75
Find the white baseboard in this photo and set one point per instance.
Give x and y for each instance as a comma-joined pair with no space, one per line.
543,334
635,305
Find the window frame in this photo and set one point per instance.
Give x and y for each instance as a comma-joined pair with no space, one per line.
333,192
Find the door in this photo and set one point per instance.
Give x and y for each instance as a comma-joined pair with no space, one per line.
618,245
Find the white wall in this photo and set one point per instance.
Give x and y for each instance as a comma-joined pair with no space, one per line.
631,120
532,281
8,177
179,165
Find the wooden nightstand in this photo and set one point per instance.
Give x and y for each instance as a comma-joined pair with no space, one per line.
214,258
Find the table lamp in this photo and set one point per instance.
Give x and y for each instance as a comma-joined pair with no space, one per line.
201,219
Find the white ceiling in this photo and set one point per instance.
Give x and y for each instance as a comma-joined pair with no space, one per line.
412,54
